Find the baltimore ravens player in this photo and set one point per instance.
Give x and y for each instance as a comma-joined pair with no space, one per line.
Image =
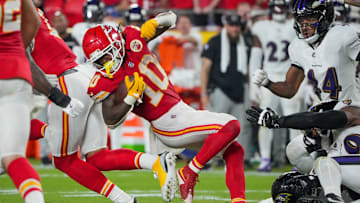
341,145
271,41
120,54
327,55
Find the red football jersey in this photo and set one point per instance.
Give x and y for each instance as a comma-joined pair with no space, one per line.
50,52
159,95
14,63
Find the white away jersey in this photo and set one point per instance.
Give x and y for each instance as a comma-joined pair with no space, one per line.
275,38
330,66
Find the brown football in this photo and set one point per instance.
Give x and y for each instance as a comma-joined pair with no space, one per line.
121,90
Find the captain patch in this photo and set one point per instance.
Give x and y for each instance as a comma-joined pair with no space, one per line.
136,45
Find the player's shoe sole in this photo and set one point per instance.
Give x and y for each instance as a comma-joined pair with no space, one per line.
165,170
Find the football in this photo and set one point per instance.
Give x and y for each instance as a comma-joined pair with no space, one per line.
121,90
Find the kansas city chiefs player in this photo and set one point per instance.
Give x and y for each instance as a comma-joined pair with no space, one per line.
118,54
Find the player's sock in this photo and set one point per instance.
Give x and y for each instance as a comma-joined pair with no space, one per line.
329,174
235,177
26,180
214,143
265,140
119,159
82,172
37,129
147,161
114,193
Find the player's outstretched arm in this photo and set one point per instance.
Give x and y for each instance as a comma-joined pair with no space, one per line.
156,26
332,119
69,105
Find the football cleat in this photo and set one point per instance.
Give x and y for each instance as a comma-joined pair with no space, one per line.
265,166
187,180
164,170
333,198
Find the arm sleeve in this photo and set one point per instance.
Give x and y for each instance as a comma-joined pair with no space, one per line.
307,120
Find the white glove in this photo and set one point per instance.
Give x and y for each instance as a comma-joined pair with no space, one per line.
260,78
74,108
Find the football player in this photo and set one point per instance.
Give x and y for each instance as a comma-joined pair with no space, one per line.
135,15
93,13
327,55
341,145
87,131
271,41
120,54
19,23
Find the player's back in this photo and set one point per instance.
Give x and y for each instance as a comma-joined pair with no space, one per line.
275,38
50,52
331,66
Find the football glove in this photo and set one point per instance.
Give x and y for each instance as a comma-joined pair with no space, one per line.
260,78
74,108
135,89
148,29
263,117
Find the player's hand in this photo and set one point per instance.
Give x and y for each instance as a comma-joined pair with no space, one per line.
260,78
74,108
263,117
148,29
135,89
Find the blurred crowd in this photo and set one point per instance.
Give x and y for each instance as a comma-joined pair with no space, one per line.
190,54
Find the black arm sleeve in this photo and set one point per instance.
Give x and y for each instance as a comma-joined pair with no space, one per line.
306,120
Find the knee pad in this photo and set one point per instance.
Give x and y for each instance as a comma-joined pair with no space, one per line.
298,156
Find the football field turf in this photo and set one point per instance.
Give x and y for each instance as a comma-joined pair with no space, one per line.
58,188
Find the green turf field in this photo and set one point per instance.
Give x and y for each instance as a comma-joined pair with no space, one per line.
59,188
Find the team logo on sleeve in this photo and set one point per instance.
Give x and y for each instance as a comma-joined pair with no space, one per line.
136,45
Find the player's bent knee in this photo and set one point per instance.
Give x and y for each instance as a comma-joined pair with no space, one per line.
325,162
298,156
233,127
64,163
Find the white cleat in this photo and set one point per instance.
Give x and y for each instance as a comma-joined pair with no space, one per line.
164,169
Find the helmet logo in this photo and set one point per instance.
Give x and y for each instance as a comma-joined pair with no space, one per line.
136,45
283,198
319,3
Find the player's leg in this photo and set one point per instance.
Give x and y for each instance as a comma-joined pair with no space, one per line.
245,137
65,134
235,178
90,177
15,98
213,132
37,129
265,134
94,146
298,156
329,174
